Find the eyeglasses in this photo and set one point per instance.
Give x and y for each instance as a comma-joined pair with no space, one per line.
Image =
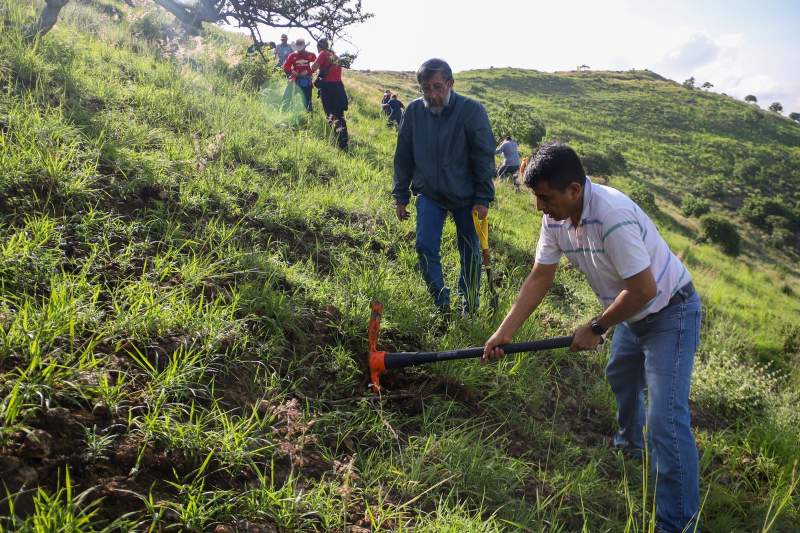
435,87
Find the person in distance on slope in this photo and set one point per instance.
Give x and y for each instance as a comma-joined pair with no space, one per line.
298,67
331,91
510,166
396,109
283,50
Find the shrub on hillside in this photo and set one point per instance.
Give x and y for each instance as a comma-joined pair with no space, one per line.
520,122
252,72
747,171
719,230
713,186
752,116
730,388
781,235
605,163
152,27
692,206
781,238
766,212
644,198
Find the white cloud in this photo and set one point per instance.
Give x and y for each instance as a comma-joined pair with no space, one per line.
697,51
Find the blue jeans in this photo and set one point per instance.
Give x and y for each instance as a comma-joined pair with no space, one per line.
430,222
657,353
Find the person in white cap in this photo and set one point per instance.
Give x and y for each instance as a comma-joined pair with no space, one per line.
298,67
283,50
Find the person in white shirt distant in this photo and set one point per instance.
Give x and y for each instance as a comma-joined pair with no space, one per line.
647,293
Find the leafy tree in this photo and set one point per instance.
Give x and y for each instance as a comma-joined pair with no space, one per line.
707,85
767,212
605,163
747,170
252,72
692,206
320,18
751,98
781,238
794,116
689,84
518,121
644,198
720,230
776,107
713,186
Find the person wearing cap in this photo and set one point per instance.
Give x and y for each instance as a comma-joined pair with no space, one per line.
283,50
647,295
331,90
298,67
445,156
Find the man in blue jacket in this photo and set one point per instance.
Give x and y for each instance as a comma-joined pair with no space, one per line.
445,154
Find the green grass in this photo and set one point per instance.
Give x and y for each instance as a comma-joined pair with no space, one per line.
185,278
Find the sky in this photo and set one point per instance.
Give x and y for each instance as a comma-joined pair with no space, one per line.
741,47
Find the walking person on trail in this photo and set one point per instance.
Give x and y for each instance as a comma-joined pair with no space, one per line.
298,67
647,293
283,50
445,155
396,109
510,150
387,95
331,91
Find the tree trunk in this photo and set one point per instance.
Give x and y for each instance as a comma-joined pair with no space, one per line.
47,19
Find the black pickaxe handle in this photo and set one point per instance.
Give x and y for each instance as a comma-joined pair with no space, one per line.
378,362
403,359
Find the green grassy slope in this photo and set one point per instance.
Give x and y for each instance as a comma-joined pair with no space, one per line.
185,275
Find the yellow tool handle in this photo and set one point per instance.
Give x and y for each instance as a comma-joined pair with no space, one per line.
482,229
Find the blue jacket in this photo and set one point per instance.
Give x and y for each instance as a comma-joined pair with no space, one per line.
448,158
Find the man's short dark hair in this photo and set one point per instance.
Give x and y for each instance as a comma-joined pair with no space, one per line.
557,164
429,68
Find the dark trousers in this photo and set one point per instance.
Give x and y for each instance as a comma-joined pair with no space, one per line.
335,103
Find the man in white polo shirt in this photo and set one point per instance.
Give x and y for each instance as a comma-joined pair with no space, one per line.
647,293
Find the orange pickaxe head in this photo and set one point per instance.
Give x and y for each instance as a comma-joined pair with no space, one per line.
377,359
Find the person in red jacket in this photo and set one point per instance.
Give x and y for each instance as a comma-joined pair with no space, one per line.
331,90
298,67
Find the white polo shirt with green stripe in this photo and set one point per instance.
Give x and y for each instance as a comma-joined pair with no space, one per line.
615,240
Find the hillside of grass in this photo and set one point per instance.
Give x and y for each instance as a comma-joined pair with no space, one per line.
185,278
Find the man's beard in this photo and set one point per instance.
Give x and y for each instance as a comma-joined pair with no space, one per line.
438,108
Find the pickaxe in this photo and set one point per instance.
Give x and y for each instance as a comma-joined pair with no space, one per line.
380,361
482,229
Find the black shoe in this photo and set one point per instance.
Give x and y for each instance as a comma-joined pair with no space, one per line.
630,453
442,319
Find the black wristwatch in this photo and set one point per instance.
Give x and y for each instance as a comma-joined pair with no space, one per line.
597,328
